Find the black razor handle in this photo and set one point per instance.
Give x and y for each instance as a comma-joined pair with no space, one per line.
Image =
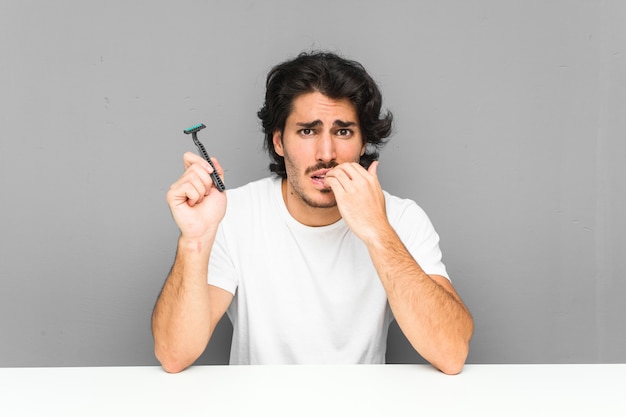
219,184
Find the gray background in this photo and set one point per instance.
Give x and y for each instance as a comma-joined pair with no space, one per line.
510,128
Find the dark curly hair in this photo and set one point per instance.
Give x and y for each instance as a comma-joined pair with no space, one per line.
336,78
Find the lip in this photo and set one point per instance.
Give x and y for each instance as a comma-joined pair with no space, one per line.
318,176
320,173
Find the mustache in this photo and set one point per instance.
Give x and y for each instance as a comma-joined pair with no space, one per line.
321,165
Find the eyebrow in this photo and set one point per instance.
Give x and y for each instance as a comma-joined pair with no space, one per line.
318,122
341,123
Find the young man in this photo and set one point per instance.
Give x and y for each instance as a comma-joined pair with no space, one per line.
313,263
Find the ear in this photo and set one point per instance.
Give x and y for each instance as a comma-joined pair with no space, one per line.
363,148
277,139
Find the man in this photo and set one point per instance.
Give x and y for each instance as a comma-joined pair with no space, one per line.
313,263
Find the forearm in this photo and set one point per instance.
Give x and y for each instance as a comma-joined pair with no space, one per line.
181,318
434,319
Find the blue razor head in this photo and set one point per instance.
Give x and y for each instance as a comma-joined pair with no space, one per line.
195,128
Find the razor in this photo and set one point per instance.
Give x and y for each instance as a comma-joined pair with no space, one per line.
193,131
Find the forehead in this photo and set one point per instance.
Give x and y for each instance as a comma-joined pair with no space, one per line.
316,106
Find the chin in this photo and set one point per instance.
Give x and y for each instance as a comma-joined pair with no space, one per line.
324,199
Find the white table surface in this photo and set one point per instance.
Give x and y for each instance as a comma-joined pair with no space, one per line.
327,390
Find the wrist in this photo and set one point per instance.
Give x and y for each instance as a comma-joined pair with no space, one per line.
196,244
381,238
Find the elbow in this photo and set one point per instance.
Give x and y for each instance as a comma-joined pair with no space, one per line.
453,365
454,361
176,355
171,363
172,367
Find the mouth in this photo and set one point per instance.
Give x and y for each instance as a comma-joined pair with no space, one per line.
319,176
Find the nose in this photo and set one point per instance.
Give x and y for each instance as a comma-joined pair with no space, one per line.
325,151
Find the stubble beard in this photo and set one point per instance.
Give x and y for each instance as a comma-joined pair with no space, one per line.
298,189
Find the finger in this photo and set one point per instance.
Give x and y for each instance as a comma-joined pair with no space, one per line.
183,193
355,173
358,173
335,186
190,158
218,168
193,185
338,177
193,195
373,169
201,186
353,170
199,169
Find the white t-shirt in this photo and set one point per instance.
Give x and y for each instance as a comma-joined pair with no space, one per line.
307,295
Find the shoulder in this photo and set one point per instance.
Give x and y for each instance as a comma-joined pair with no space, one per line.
417,233
252,191
409,219
250,199
254,186
398,208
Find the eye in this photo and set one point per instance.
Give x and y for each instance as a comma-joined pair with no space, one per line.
346,133
306,132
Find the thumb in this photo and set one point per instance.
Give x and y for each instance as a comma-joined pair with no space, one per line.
373,169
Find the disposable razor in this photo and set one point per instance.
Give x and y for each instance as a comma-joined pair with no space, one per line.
193,130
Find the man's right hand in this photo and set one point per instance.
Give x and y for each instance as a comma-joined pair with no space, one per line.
196,204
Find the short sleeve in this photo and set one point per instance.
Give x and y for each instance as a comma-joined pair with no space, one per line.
222,272
418,234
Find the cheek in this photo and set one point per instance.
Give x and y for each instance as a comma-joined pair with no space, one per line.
298,153
291,163
350,152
